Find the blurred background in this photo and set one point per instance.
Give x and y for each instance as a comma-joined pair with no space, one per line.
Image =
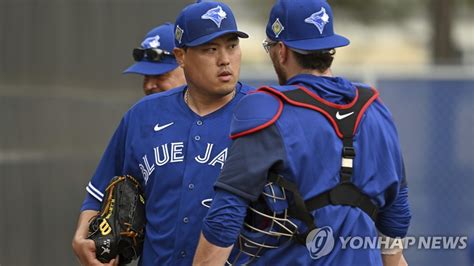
62,95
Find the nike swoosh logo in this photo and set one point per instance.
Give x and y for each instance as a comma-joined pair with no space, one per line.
340,117
206,203
158,127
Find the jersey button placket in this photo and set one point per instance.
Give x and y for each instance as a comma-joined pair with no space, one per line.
197,137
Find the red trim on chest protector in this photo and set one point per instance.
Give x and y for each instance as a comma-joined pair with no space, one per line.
267,124
274,92
333,105
364,108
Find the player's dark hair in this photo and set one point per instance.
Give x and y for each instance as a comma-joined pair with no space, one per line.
318,60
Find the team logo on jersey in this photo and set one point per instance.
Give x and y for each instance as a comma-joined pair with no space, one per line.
277,27
318,19
216,14
174,153
146,169
320,242
151,42
178,33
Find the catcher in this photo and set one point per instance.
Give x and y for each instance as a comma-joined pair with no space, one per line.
329,144
117,231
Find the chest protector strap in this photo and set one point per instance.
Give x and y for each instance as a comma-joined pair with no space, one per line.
345,120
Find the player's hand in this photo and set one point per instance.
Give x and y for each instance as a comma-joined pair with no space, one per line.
85,252
114,262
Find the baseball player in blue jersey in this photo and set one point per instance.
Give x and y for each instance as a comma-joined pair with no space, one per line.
175,142
154,59
314,162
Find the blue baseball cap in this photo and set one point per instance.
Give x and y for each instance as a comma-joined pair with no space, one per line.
304,25
202,22
161,38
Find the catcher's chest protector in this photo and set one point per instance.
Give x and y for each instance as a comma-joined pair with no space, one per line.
345,120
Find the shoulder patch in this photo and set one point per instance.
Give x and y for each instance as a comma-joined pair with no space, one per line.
255,112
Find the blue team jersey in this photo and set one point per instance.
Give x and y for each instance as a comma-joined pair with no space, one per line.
302,146
177,156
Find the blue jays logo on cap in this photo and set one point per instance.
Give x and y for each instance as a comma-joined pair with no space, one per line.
151,42
319,19
216,15
204,21
308,25
161,37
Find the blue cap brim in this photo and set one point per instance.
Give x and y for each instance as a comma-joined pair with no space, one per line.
210,37
150,68
333,41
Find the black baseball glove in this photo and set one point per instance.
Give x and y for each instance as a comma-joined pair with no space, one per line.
118,229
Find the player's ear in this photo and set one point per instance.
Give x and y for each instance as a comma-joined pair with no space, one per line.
180,55
282,52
